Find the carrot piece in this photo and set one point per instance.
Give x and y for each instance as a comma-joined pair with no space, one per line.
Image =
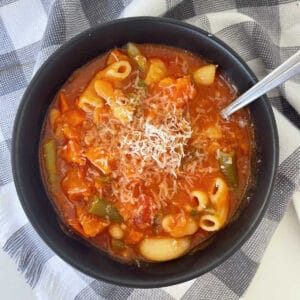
73,117
185,87
63,102
70,132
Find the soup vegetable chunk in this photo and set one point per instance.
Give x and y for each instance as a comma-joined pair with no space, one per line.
136,156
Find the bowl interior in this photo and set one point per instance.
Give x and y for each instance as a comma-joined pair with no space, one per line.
27,132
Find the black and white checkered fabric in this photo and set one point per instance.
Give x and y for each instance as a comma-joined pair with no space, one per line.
264,33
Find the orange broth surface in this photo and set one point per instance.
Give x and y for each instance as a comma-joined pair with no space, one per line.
145,167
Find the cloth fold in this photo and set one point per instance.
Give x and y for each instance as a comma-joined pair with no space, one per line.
263,33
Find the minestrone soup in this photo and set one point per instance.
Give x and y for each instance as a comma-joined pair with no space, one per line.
136,156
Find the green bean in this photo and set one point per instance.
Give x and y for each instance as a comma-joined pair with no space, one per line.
103,208
117,244
49,155
104,179
194,213
227,164
141,83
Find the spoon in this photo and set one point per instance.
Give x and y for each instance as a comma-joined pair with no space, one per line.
289,68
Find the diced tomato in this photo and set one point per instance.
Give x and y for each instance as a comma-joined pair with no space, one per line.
179,90
73,117
75,186
62,102
70,132
185,88
100,115
142,216
91,224
77,226
143,219
99,158
167,82
72,153
133,236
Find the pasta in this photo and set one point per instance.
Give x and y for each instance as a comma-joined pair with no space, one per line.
118,70
136,157
156,72
201,198
89,100
219,197
210,222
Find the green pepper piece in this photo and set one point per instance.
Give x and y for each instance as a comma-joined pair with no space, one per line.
103,208
49,155
227,164
141,83
194,213
104,179
135,53
117,244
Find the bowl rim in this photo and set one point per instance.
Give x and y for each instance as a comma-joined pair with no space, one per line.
25,204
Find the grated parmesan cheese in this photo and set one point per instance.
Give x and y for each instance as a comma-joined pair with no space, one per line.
161,144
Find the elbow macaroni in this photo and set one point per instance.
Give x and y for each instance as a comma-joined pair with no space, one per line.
219,197
156,72
201,198
104,89
89,100
118,70
100,89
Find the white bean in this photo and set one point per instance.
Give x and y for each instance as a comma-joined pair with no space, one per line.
163,249
116,231
201,198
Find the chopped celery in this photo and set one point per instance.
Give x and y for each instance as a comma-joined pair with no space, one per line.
49,154
117,244
134,52
104,179
141,83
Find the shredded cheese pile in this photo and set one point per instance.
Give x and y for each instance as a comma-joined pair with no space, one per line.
161,144
153,142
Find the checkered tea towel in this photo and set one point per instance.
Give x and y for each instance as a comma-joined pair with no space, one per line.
263,33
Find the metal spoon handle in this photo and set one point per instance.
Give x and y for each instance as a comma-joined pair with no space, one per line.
282,73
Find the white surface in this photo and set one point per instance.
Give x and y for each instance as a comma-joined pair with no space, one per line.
278,276
18,13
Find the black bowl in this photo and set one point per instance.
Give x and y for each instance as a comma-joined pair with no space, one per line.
27,131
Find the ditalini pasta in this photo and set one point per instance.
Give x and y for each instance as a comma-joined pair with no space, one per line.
136,156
